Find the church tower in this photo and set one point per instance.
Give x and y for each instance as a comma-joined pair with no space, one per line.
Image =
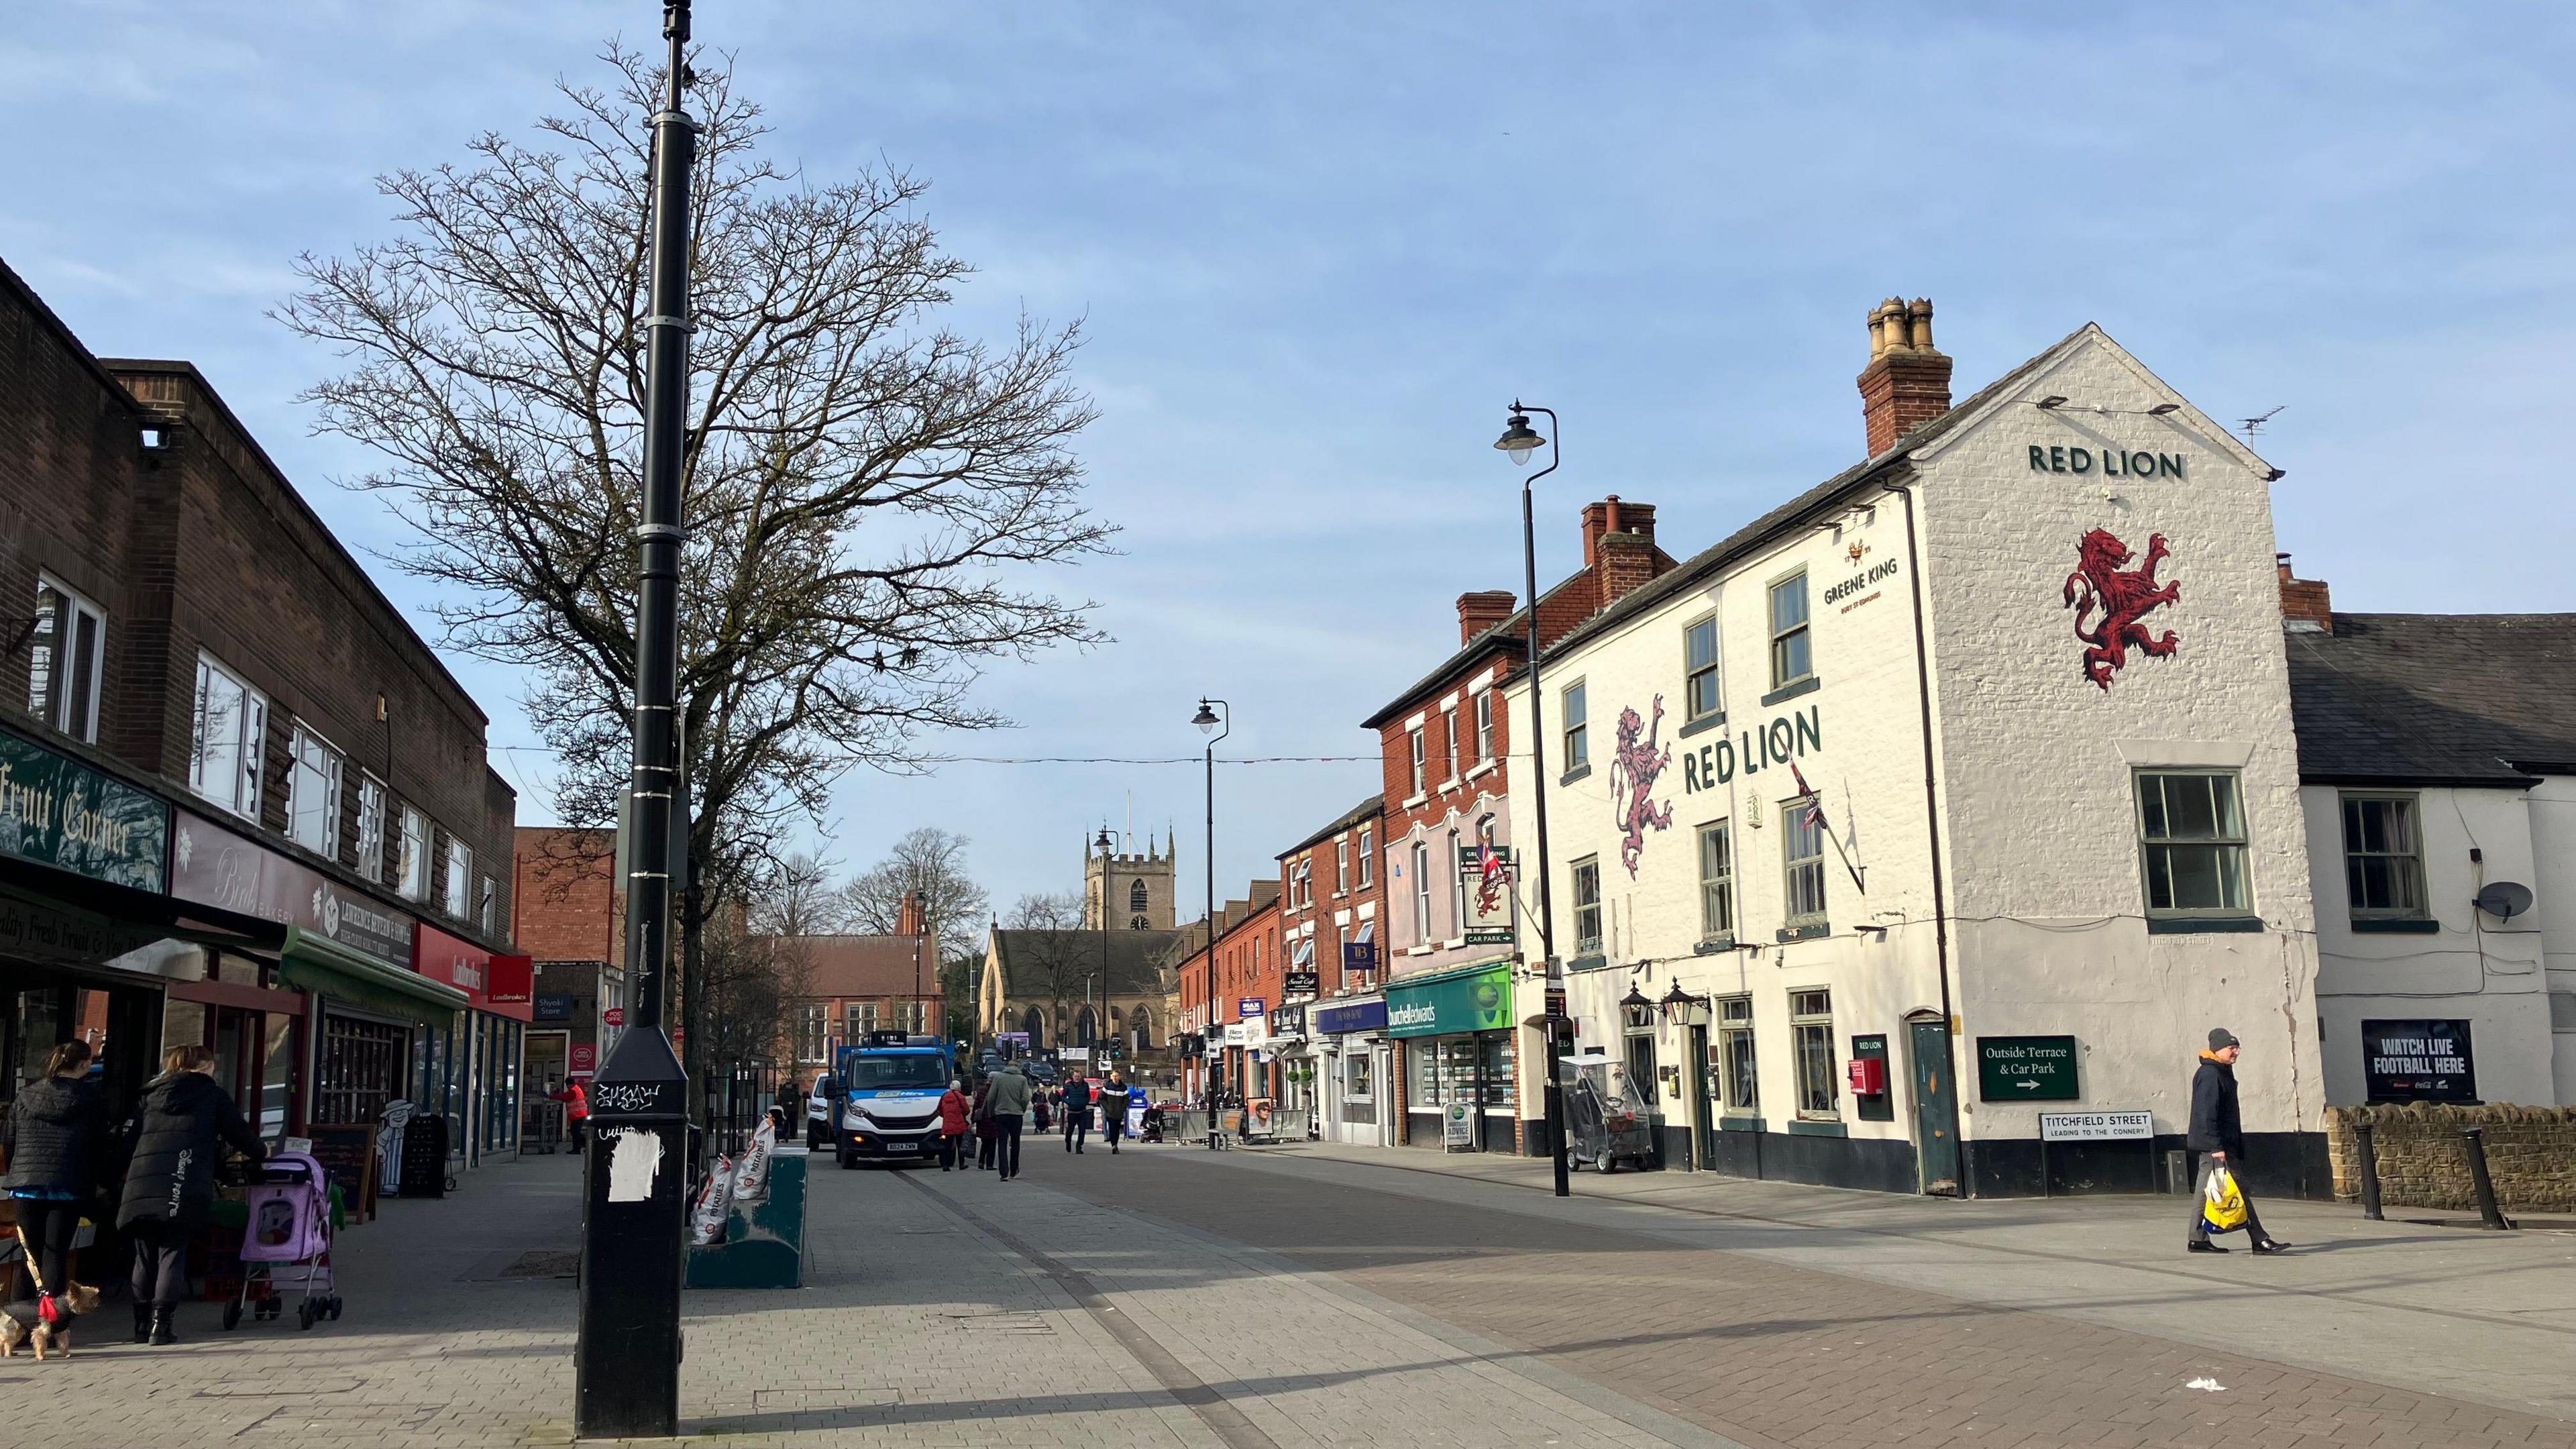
1134,890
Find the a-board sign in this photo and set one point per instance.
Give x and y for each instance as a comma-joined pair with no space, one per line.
1458,1127
348,1153
424,1156
2096,1126
2026,1069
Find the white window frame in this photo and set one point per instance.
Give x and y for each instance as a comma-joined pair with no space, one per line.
458,877
239,793
1368,856
1716,883
2407,863
1484,726
1694,669
1358,1076
1811,1054
1457,886
1342,866
1575,744
1802,877
1735,1028
313,762
372,801
1414,737
1449,743
487,902
66,700
1585,874
1802,629
411,862
1422,893
2231,849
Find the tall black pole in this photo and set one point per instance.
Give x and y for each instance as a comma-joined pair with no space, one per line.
1207,1042
1538,800
627,1359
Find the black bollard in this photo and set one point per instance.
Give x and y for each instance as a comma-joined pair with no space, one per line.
2369,1164
2488,1214
626,1363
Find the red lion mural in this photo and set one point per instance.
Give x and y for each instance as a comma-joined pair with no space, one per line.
2124,596
1632,776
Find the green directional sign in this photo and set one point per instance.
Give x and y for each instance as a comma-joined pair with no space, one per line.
2026,1069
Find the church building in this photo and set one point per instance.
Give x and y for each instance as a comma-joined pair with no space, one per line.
1100,986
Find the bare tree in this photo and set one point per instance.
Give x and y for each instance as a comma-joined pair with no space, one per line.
928,860
798,898
1055,954
865,489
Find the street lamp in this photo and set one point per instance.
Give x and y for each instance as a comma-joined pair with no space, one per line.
1107,847
1519,441
1215,728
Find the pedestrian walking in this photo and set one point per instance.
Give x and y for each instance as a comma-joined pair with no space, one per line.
182,1122
1010,1104
1113,1110
55,1142
1077,1113
2218,1131
986,1131
952,1126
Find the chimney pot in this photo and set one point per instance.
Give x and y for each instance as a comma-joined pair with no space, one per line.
1907,381
2306,605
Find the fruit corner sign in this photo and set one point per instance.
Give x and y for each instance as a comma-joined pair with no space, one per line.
2026,1069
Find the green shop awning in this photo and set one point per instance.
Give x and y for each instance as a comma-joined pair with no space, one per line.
320,964
1471,998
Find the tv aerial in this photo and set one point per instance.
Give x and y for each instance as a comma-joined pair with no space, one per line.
2253,427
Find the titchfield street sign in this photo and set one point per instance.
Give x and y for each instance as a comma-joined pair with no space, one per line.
2026,1069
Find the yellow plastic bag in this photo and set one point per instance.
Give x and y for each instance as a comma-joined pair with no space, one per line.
2221,1205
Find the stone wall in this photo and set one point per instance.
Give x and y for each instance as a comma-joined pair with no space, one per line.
2531,1154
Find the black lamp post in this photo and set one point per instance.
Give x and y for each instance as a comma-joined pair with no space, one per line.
1519,442
626,1361
1215,728
1108,849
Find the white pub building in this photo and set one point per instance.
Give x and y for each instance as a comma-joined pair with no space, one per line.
1958,790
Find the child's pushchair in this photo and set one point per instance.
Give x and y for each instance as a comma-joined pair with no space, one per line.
287,1244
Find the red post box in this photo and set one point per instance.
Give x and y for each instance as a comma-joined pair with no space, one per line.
1868,1077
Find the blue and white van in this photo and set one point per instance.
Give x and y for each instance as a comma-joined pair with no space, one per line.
889,1102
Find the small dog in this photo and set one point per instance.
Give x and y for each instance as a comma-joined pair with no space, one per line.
20,1322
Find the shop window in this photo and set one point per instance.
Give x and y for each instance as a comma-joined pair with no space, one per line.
1359,1082
1802,852
362,1067
1699,671
371,826
2383,858
1485,725
411,870
1791,660
1577,752
1739,1086
1811,1040
64,657
313,792
1587,906
231,723
460,876
1716,884
2192,834
1368,856
1413,742
1500,1089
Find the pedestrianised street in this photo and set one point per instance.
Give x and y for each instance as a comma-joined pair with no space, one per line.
1310,1296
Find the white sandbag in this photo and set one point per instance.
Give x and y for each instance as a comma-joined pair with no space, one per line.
751,1175
714,1206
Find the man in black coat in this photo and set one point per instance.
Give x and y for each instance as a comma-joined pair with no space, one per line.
1077,1113
2218,1132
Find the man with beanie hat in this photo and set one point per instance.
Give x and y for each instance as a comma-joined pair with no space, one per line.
2217,1131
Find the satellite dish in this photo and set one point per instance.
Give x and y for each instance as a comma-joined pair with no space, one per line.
2505,900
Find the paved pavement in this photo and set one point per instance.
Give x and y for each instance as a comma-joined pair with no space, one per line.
1328,1297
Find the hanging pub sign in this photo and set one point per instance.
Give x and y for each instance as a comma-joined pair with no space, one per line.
1359,955
2418,1061
1485,870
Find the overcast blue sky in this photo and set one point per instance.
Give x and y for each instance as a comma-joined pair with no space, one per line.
1319,247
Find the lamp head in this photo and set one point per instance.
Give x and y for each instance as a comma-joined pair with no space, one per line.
1205,719
1104,841
1519,439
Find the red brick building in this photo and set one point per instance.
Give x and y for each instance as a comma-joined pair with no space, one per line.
1248,964
857,984
1446,747
570,917
1331,897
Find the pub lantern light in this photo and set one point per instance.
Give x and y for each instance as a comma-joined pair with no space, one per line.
1637,1008
1680,1006
1519,439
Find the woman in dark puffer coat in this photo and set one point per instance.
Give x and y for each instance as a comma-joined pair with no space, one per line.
183,1122
56,1144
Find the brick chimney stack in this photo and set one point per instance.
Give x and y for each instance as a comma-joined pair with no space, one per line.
1907,382
1482,610
1618,547
2305,605
914,918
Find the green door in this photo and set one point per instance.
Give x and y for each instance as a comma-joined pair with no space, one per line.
1936,1151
